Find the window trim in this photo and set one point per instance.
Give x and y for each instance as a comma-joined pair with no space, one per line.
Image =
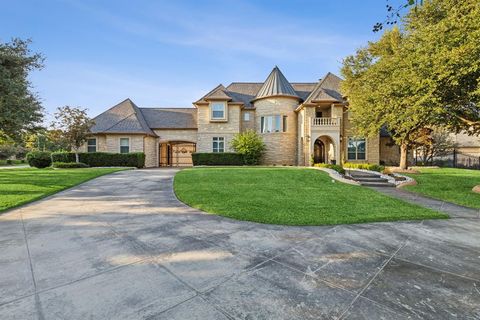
218,141
225,111
91,145
120,144
356,149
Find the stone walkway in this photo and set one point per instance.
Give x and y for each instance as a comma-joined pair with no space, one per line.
123,247
453,210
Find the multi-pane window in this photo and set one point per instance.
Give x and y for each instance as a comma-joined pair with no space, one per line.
356,148
218,144
275,123
124,145
218,110
91,145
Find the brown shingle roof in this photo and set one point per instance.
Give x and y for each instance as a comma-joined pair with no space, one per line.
327,89
170,118
124,117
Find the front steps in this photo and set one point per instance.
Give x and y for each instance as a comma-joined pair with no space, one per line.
368,179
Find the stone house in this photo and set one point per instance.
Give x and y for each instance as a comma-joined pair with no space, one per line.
299,123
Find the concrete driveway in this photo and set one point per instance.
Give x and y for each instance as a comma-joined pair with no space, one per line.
122,247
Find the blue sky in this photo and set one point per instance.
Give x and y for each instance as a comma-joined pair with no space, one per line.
169,53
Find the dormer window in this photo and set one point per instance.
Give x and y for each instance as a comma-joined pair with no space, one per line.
218,110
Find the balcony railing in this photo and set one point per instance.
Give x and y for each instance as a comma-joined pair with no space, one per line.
333,122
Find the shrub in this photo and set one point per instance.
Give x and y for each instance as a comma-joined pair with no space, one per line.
364,166
6,151
335,167
9,161
103,159
39,159
250,145
217,159
69,165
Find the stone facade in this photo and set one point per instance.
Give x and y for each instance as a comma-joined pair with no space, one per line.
281,147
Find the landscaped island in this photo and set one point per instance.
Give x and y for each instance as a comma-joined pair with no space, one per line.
20,186
290,196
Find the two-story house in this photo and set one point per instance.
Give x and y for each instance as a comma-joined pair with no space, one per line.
299,123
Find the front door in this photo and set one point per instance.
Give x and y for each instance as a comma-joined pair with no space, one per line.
319,152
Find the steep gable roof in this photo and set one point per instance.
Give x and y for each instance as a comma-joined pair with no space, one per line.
276,85
170,118
327,89
218,93
124,117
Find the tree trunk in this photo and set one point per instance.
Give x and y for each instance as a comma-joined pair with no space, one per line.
404,156
76,157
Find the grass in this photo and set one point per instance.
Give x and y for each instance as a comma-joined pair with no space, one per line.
289,196
449,184
20,186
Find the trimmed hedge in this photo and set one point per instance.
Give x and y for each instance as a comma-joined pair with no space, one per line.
103,159
364,166
217,159
69,165
335,167
39,159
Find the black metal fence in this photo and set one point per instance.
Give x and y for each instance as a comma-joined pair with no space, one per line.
455,159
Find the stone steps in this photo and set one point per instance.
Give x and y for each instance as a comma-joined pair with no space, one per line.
368,179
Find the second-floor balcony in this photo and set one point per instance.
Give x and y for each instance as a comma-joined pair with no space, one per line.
326,122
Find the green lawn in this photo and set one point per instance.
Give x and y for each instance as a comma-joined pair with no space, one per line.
20,186
449,184
290,196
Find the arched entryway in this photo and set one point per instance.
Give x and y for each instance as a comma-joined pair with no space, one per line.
176,153
324,150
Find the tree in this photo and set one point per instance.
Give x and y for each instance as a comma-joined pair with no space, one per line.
383,90
20,108
74,125
250,145
434,143
425,76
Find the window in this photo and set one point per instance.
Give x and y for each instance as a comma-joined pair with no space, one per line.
91,145
246,116
218,144
356,148
218,110
318,114
124,145
275,123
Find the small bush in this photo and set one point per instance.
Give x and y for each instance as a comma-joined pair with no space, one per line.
103,159
217,159
250,145
364,166
335,167
9,161
39,159
69,165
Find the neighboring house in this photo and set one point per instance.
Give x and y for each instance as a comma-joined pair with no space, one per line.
299,122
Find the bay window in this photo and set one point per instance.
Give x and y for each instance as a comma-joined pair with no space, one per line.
275,123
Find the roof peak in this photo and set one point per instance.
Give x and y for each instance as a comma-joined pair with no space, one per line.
276,85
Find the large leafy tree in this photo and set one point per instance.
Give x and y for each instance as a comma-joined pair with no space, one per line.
74,125
20,108
417,77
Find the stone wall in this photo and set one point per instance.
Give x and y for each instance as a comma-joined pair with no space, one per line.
151,152
281,147
208,129
166,135
373,144
247,125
